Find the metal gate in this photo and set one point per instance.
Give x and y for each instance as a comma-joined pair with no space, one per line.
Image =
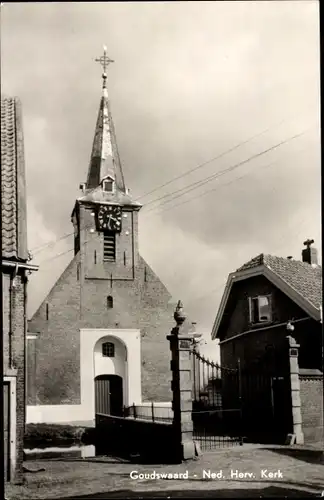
216,422
232,405
6,430
109,394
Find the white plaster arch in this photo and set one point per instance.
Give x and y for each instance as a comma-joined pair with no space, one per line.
110,366
116,365
127,364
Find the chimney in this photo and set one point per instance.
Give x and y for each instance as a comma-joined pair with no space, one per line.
309,254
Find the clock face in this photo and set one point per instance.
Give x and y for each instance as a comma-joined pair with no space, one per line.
110,217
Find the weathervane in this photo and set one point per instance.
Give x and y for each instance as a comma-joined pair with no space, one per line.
104,61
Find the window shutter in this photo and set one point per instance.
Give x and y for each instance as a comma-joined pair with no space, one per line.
109,247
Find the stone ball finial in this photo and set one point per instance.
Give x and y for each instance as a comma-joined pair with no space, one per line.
179,315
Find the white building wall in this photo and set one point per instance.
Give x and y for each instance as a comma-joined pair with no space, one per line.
127,364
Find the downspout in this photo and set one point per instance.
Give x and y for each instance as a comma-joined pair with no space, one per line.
133,249
11,313
25,281
10,323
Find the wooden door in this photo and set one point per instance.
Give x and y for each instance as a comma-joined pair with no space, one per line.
102,395
6,431
109,394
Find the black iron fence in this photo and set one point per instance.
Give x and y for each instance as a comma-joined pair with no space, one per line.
216,416
234,404
217,428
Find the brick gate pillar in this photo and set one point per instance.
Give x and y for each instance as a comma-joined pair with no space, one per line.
295,390
181,385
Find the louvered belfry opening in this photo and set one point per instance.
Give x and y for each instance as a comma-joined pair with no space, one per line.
109,247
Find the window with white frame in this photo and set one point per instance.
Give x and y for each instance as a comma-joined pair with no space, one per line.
260,309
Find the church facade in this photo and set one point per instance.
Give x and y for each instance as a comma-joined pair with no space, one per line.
98,340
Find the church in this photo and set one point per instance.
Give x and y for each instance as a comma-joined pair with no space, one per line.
98,340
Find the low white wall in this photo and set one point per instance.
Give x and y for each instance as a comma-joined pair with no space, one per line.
56,414
74,414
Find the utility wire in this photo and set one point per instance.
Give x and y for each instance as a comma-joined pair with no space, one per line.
202,194
197,183
276,125
70,250
206,192
57,255
222,172
51,242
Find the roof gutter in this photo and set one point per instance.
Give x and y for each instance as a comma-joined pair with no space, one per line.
269,327
19,265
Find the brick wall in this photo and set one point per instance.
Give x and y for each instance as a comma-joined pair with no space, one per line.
252,347
79,300
311,395
140,303
57,321
16,309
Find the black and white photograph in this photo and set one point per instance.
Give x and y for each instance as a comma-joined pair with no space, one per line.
161,231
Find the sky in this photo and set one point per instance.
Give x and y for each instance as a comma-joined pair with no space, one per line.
196,88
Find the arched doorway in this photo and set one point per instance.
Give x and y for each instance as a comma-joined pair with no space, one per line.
109,394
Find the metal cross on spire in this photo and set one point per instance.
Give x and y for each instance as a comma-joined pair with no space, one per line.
104,61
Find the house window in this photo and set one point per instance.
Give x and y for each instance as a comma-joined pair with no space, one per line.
260,309
108,350
109,249
110,302
108,186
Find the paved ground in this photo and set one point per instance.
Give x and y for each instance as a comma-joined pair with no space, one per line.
299,473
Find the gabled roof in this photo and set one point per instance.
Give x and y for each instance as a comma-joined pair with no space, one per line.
300,281
13,188
306,279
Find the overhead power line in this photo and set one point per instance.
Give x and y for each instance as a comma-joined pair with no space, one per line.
210,178
215,158
197,183
51,242
174,206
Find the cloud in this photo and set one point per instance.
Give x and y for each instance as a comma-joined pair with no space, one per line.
190,81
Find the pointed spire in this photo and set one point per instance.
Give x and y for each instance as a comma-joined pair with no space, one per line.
105,159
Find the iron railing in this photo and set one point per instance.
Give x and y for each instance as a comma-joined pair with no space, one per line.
152,412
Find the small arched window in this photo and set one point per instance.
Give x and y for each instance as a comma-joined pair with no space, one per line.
108,350
110,302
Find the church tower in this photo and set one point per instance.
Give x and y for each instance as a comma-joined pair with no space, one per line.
98,340
105,218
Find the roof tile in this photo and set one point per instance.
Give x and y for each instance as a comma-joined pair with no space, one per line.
304,278
8,178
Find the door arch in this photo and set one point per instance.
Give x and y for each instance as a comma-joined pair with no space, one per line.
109,394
